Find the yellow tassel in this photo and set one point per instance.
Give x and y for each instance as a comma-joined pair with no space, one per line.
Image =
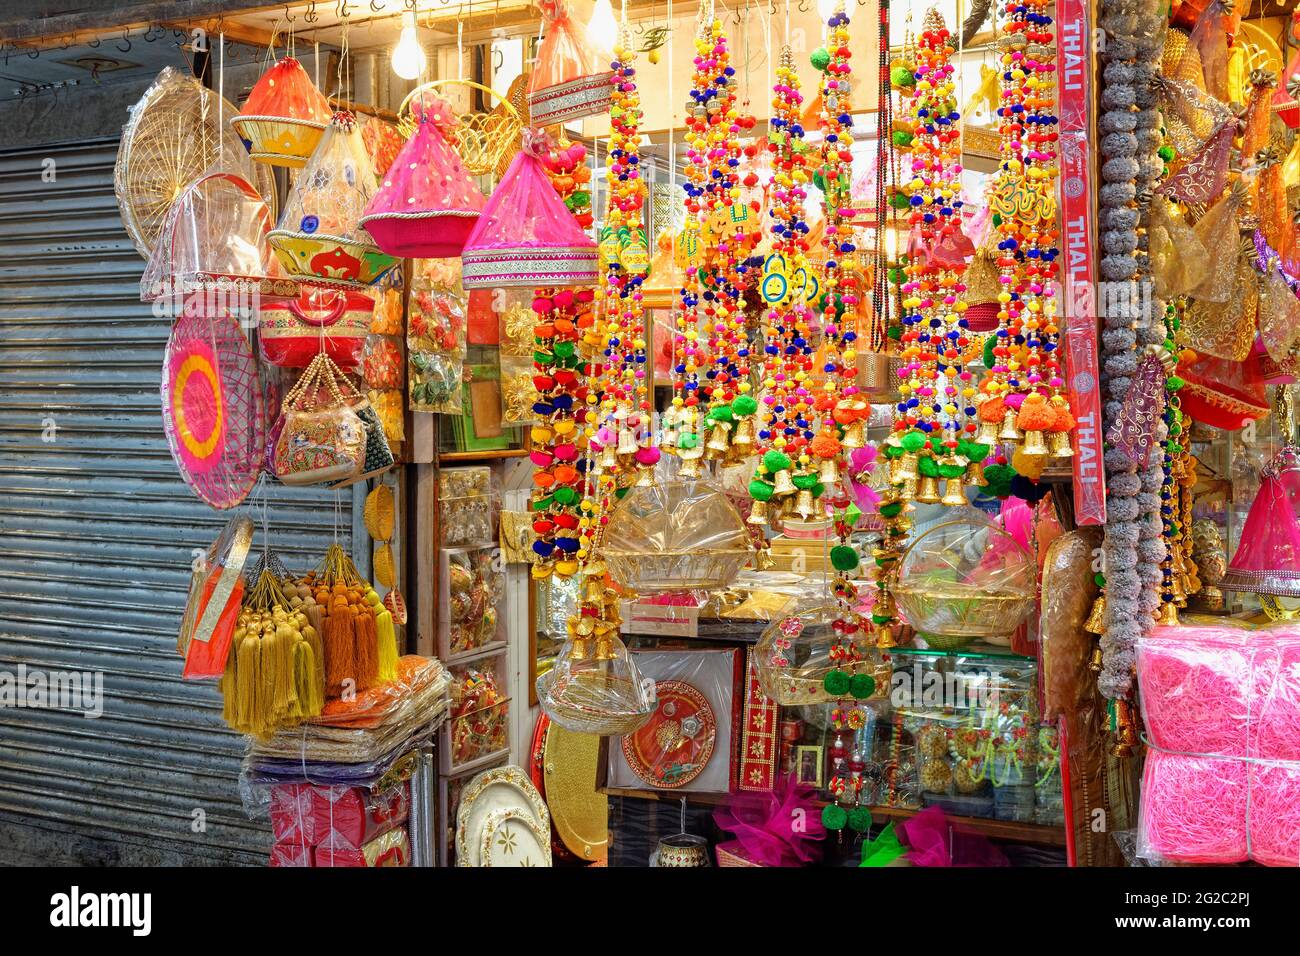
312,636
311,694
387,638
250,652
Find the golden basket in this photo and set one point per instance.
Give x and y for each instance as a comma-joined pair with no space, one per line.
726,858
484,141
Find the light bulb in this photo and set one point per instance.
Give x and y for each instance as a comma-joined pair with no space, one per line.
408,58
826,8
891,244
602,31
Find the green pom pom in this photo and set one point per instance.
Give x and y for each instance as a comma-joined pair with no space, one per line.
862,686
880,619
901,138
844,558
1099,580
744,405
901,76
990,344
565,496
805,482
973,450
760,490
859,819
928,467
817,489
687,440
543,503
620,492
834,817
913,441
899,201
1173,383
997,219
773,461
820,59
565,350
895,451
1166,153
894,332
836,683
721,414
891,510
951,471
999,480
896,276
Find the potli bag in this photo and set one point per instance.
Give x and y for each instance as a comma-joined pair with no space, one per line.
333,321
322,438
569,81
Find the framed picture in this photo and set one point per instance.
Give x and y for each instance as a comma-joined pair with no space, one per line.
808,765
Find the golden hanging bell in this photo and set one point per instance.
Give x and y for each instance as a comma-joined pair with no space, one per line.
1059,443
608,457
928,490
907,468
828,473
1096,623
1034,444
783,486
717,439
1168,614
988,433
1095,662
626,442
907,491
581,650
1010,431
690,467
604,648
787,507
757,513
975,474
744,433
954,492
804,503
855,436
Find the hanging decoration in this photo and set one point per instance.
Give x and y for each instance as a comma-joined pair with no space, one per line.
284,117
569,82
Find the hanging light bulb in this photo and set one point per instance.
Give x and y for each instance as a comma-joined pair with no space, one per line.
408,58
826,8
602,31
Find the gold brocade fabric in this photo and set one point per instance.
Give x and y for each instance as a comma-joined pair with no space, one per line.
1279,316
1217,232
1274,213
1176,253
1188,119
1226,329
982,282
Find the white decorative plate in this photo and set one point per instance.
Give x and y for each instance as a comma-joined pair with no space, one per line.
512,838
501,788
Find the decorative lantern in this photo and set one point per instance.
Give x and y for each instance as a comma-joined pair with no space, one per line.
427,204
525,237
569,81
283,119
320,236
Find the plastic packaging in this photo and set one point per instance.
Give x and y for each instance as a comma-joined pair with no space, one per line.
966,578
466,514
322,439
570,81
478,724
435,338
1267,560
473,587
675,535
349,817
1222,710
391,849
320,236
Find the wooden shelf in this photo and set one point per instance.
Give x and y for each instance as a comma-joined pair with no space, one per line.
994,829
449,457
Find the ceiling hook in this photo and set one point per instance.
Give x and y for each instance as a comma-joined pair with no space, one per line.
126,36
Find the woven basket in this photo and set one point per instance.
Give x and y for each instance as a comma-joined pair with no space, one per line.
730,859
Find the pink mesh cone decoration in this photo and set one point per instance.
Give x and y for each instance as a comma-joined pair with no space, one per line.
526,237
1268,558
427,204
320,237
284,117
570,81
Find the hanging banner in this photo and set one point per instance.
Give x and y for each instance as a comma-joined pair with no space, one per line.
1079,329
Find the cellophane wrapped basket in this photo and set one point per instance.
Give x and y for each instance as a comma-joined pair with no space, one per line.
596,690
283,119
793,655
966,577
674,536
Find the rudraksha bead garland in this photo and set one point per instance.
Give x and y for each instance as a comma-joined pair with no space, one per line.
624,441
785,425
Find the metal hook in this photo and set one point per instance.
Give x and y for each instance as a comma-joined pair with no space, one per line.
126,35
311,16
93,44
803,6
288,17
342,11
376,7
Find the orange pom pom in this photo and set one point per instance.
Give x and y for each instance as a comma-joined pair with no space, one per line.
825,446
993,410
1063,420
1035,414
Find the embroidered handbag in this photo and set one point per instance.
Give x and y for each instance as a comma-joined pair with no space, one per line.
322,438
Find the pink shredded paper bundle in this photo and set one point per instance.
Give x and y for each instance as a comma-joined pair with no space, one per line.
1221,707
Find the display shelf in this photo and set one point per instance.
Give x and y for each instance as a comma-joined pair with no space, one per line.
995,829
453,457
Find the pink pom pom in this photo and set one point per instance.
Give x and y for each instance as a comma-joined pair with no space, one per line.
647,456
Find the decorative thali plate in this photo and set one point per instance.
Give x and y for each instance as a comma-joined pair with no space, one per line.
512,838
502,788
675,746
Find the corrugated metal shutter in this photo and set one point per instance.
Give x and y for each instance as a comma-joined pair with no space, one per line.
96,538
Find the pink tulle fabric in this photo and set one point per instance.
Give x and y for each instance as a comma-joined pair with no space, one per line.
1221,707
564,54
932,841
1268,557
760,824
427,204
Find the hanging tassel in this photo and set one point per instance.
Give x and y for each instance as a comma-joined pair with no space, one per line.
387,639
367,652
340,661
311,634
311,694
247,711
